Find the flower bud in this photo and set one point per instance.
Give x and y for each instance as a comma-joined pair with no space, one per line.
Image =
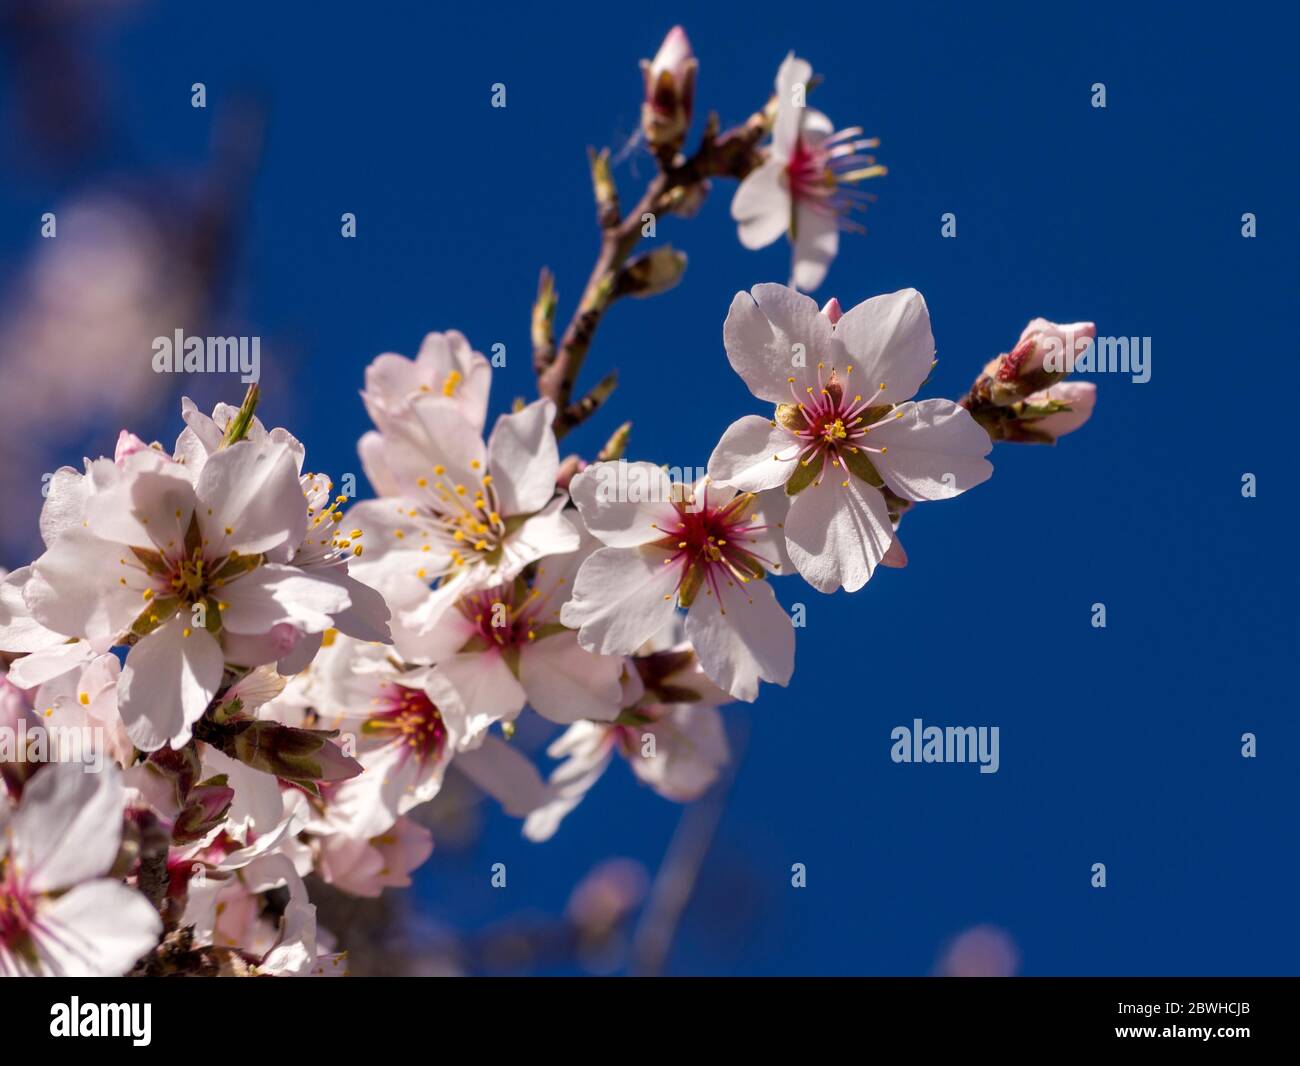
1043,417
669,91
1072,403
833,310
1040,358
299,755
655,272
205,808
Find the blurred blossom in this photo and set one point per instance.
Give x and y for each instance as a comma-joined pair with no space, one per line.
76,339
605,897
984,951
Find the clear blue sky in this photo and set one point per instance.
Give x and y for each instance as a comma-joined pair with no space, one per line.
1118,745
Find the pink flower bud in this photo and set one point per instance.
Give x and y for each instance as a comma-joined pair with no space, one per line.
1040,340
1079,396
669,91
833,310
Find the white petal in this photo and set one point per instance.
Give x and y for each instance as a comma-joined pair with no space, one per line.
789,108
74,588
504,773
252,490
486,689
934,452
624,504
766,540
622,597
565,683
887,340
149,506
690,751
837,534
99,929
167,682
439,435
19,632
372,448
753,455
549,532
761,206
65,504
746,638
589,749
42,666
274,594
817,239
767,331
69,825
524,458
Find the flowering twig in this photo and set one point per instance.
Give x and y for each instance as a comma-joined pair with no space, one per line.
679,184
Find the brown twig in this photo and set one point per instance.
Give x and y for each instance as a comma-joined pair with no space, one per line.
732,154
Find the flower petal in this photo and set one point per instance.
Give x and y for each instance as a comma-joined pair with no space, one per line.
274,593
761,206
933,452
167,682
754,454
793,74
770,333
69,825
743,639
816,242
624,504
524,458
252,490
621,598
566,683
504,773
887,340
690,751
837,534
99,929
74,589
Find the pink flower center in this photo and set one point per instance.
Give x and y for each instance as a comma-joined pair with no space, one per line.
17,907
828,424
412,720
501,621
821,177
714,546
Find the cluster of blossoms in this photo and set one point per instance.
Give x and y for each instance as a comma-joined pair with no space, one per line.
225,678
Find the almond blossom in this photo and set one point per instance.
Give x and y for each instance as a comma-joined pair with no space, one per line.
168,564
844,431
671,735
503,647
59,914
458,508
804,186
410,723
704,548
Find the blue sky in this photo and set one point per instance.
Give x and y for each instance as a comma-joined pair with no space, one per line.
1119,745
